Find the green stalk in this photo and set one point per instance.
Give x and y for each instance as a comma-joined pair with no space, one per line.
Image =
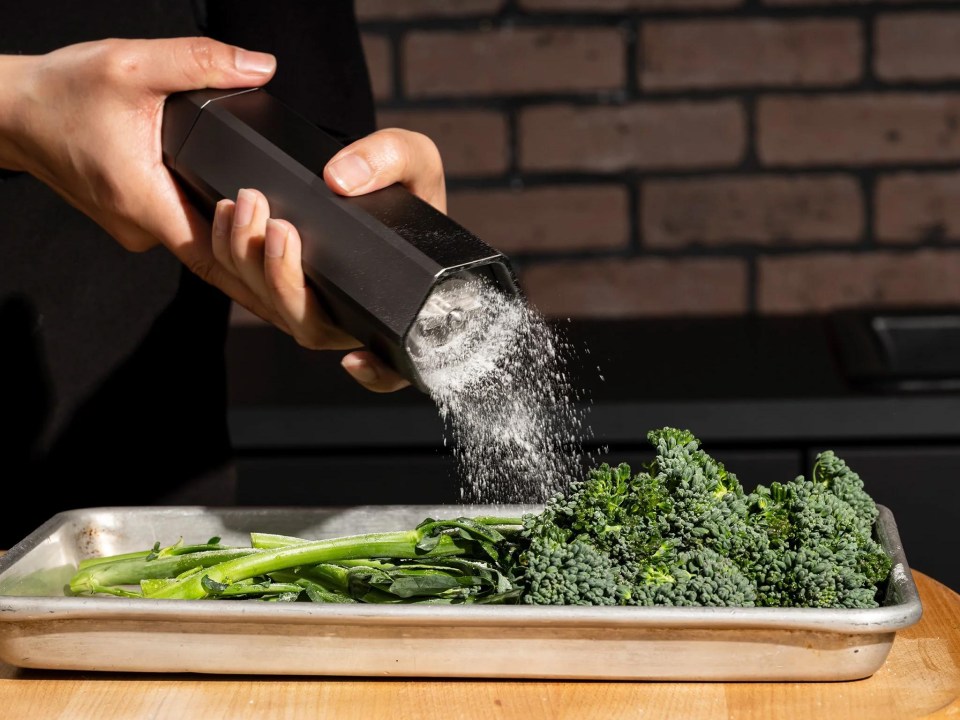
176,549
131,568
401,544
270,541
106,559
506,526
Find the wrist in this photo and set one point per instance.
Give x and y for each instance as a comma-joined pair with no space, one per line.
14,71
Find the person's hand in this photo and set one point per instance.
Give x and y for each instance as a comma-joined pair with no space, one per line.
86,119
264,252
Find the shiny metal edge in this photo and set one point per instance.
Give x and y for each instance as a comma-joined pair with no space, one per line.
901,608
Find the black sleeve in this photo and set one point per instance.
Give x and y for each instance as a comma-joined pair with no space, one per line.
321,69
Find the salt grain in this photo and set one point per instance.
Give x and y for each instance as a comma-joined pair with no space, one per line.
503,388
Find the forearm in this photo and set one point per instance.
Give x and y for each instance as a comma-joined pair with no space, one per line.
14,70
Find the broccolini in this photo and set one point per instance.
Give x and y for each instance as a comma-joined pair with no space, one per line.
681,531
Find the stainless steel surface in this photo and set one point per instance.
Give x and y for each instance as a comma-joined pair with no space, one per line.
463,330
40,627
449,311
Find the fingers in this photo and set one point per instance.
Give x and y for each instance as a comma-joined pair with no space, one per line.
265,255
191,63
185,241
250,215
289,293
220,235
387,157
244,236
237,237
371,372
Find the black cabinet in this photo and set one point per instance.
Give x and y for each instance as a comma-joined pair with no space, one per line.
338,479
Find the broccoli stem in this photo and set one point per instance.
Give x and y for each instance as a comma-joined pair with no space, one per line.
271,541
508,527
131,568
374,545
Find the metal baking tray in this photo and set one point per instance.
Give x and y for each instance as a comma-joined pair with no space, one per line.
42,627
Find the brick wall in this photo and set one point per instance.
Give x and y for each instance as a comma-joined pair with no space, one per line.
664,157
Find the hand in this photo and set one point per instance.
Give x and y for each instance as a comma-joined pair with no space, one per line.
86,119
264,253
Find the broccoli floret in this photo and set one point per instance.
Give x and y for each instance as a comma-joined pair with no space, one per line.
570,573
667,535
821,548
833,473
700,577
576,552
683,532
707,506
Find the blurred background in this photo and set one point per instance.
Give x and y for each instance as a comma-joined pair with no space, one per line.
746,210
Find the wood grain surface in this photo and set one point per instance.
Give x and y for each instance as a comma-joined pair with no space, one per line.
920,679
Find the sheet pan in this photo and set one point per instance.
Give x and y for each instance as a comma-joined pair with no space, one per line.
42,627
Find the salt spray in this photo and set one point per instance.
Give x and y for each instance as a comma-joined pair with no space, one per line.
503,387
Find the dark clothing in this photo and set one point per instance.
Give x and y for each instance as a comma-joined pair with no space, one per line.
112,367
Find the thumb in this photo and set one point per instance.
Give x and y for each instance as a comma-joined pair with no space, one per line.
389,156
175,64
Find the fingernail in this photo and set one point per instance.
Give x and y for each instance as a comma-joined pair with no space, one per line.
275,239
364,372
254,63
351,172
244,211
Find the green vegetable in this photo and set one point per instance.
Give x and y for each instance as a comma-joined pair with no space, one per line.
682,531
108,575
422,567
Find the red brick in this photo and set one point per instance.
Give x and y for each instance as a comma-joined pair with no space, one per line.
647,135
638,287
377,50
620,5
859,129
912,207
824,282
544,219
755,210
371,10
513,60
678,54
918,46
471,142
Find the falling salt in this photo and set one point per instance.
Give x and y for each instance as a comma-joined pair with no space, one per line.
503,388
